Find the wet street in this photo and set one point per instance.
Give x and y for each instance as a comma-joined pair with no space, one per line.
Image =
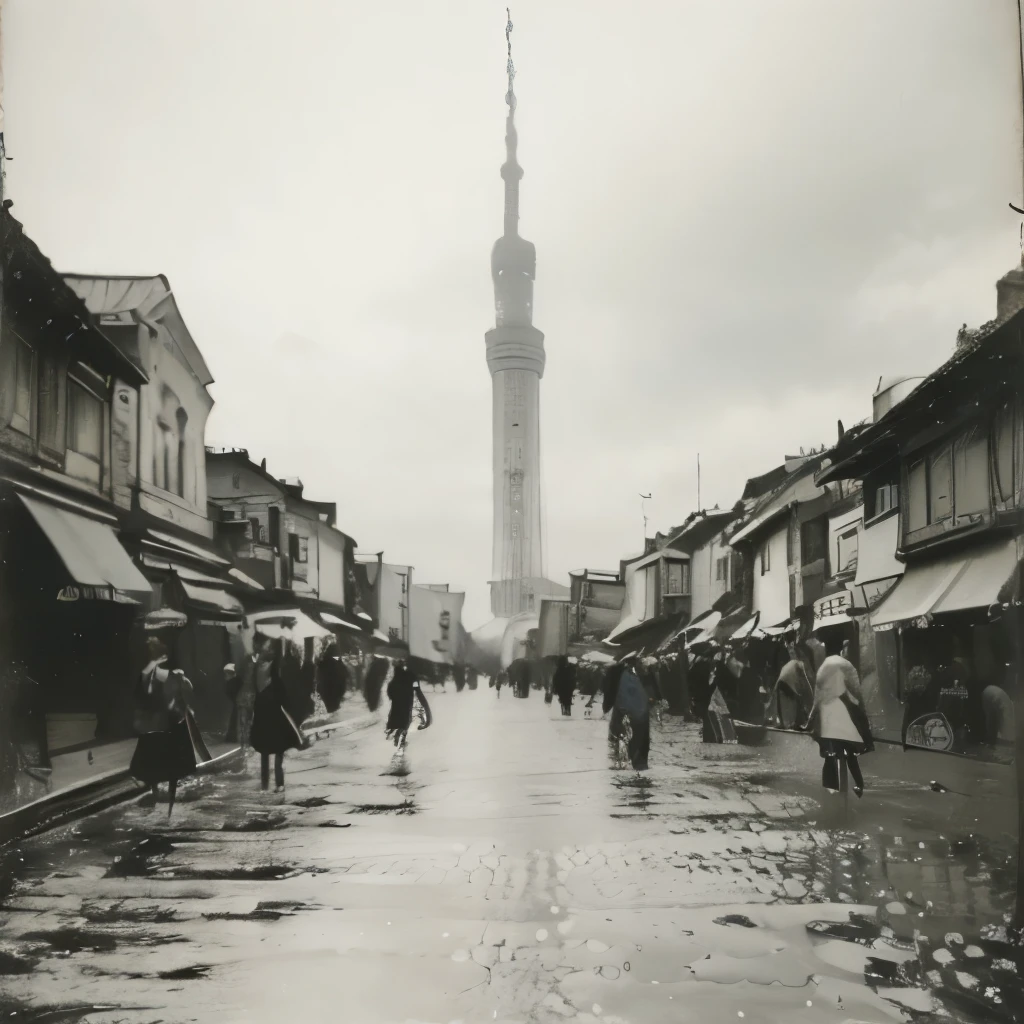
506,868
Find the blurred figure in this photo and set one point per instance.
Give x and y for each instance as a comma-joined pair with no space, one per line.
274,730
332,678
401,693
563,683
165,751
999,715
630,707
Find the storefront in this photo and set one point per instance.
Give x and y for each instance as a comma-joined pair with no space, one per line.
69,595
954,651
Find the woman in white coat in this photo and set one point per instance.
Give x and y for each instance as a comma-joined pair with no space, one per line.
838,720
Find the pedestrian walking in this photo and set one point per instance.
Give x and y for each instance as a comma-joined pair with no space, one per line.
168,738
627,700
274,730
563,683
402,694
332,678
838,720
245,700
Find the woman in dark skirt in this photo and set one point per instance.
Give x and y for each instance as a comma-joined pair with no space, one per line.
274,731
165,751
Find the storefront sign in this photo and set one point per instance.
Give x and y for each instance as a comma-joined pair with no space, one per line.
833,609
930,732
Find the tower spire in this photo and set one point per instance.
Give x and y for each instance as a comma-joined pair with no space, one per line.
511,172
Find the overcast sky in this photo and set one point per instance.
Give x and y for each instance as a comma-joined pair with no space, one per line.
744,213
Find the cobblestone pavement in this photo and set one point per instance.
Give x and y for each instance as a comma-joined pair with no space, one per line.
507,868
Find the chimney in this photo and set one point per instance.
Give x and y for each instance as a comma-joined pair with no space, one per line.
1010,292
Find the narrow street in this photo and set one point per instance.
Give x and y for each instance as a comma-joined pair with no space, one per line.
504,869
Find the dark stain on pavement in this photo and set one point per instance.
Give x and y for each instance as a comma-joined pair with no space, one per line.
405,807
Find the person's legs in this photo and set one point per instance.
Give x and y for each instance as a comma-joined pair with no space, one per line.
830,773
279,770
172,789
264,771
855,773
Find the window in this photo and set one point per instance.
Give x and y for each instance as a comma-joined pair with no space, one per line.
588,591
686,577
257,530
814,541
49,402
917,496
766,559
85,422
970,474
848,544
24,372
182,419
940,485
1003,438
674,578
275,528
298,548
722,569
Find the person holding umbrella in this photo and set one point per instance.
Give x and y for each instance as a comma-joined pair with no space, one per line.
274,730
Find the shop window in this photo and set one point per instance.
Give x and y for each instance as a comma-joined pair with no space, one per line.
24,372
814,541
847,548
1003,442
970,474
49,402
940,485
917,496
85,422
766,559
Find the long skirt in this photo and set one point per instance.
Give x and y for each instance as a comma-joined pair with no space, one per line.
273,730
164,756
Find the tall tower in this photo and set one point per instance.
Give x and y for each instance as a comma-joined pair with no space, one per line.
515,356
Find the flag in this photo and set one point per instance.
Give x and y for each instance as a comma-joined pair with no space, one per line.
434,620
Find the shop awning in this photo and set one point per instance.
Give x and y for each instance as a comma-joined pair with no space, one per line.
291,624
91,553
978,586
919,591
168,542
333,620
212,599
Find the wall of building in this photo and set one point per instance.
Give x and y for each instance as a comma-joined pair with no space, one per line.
331,545
173,410
393,586
771,589
706,586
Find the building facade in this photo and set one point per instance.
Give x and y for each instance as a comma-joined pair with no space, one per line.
69,592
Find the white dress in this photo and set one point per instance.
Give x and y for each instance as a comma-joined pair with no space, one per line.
831,684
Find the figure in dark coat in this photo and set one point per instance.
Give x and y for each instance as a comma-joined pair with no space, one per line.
166,749
630,706
564,683
274,729
519,677
332,678
402,694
